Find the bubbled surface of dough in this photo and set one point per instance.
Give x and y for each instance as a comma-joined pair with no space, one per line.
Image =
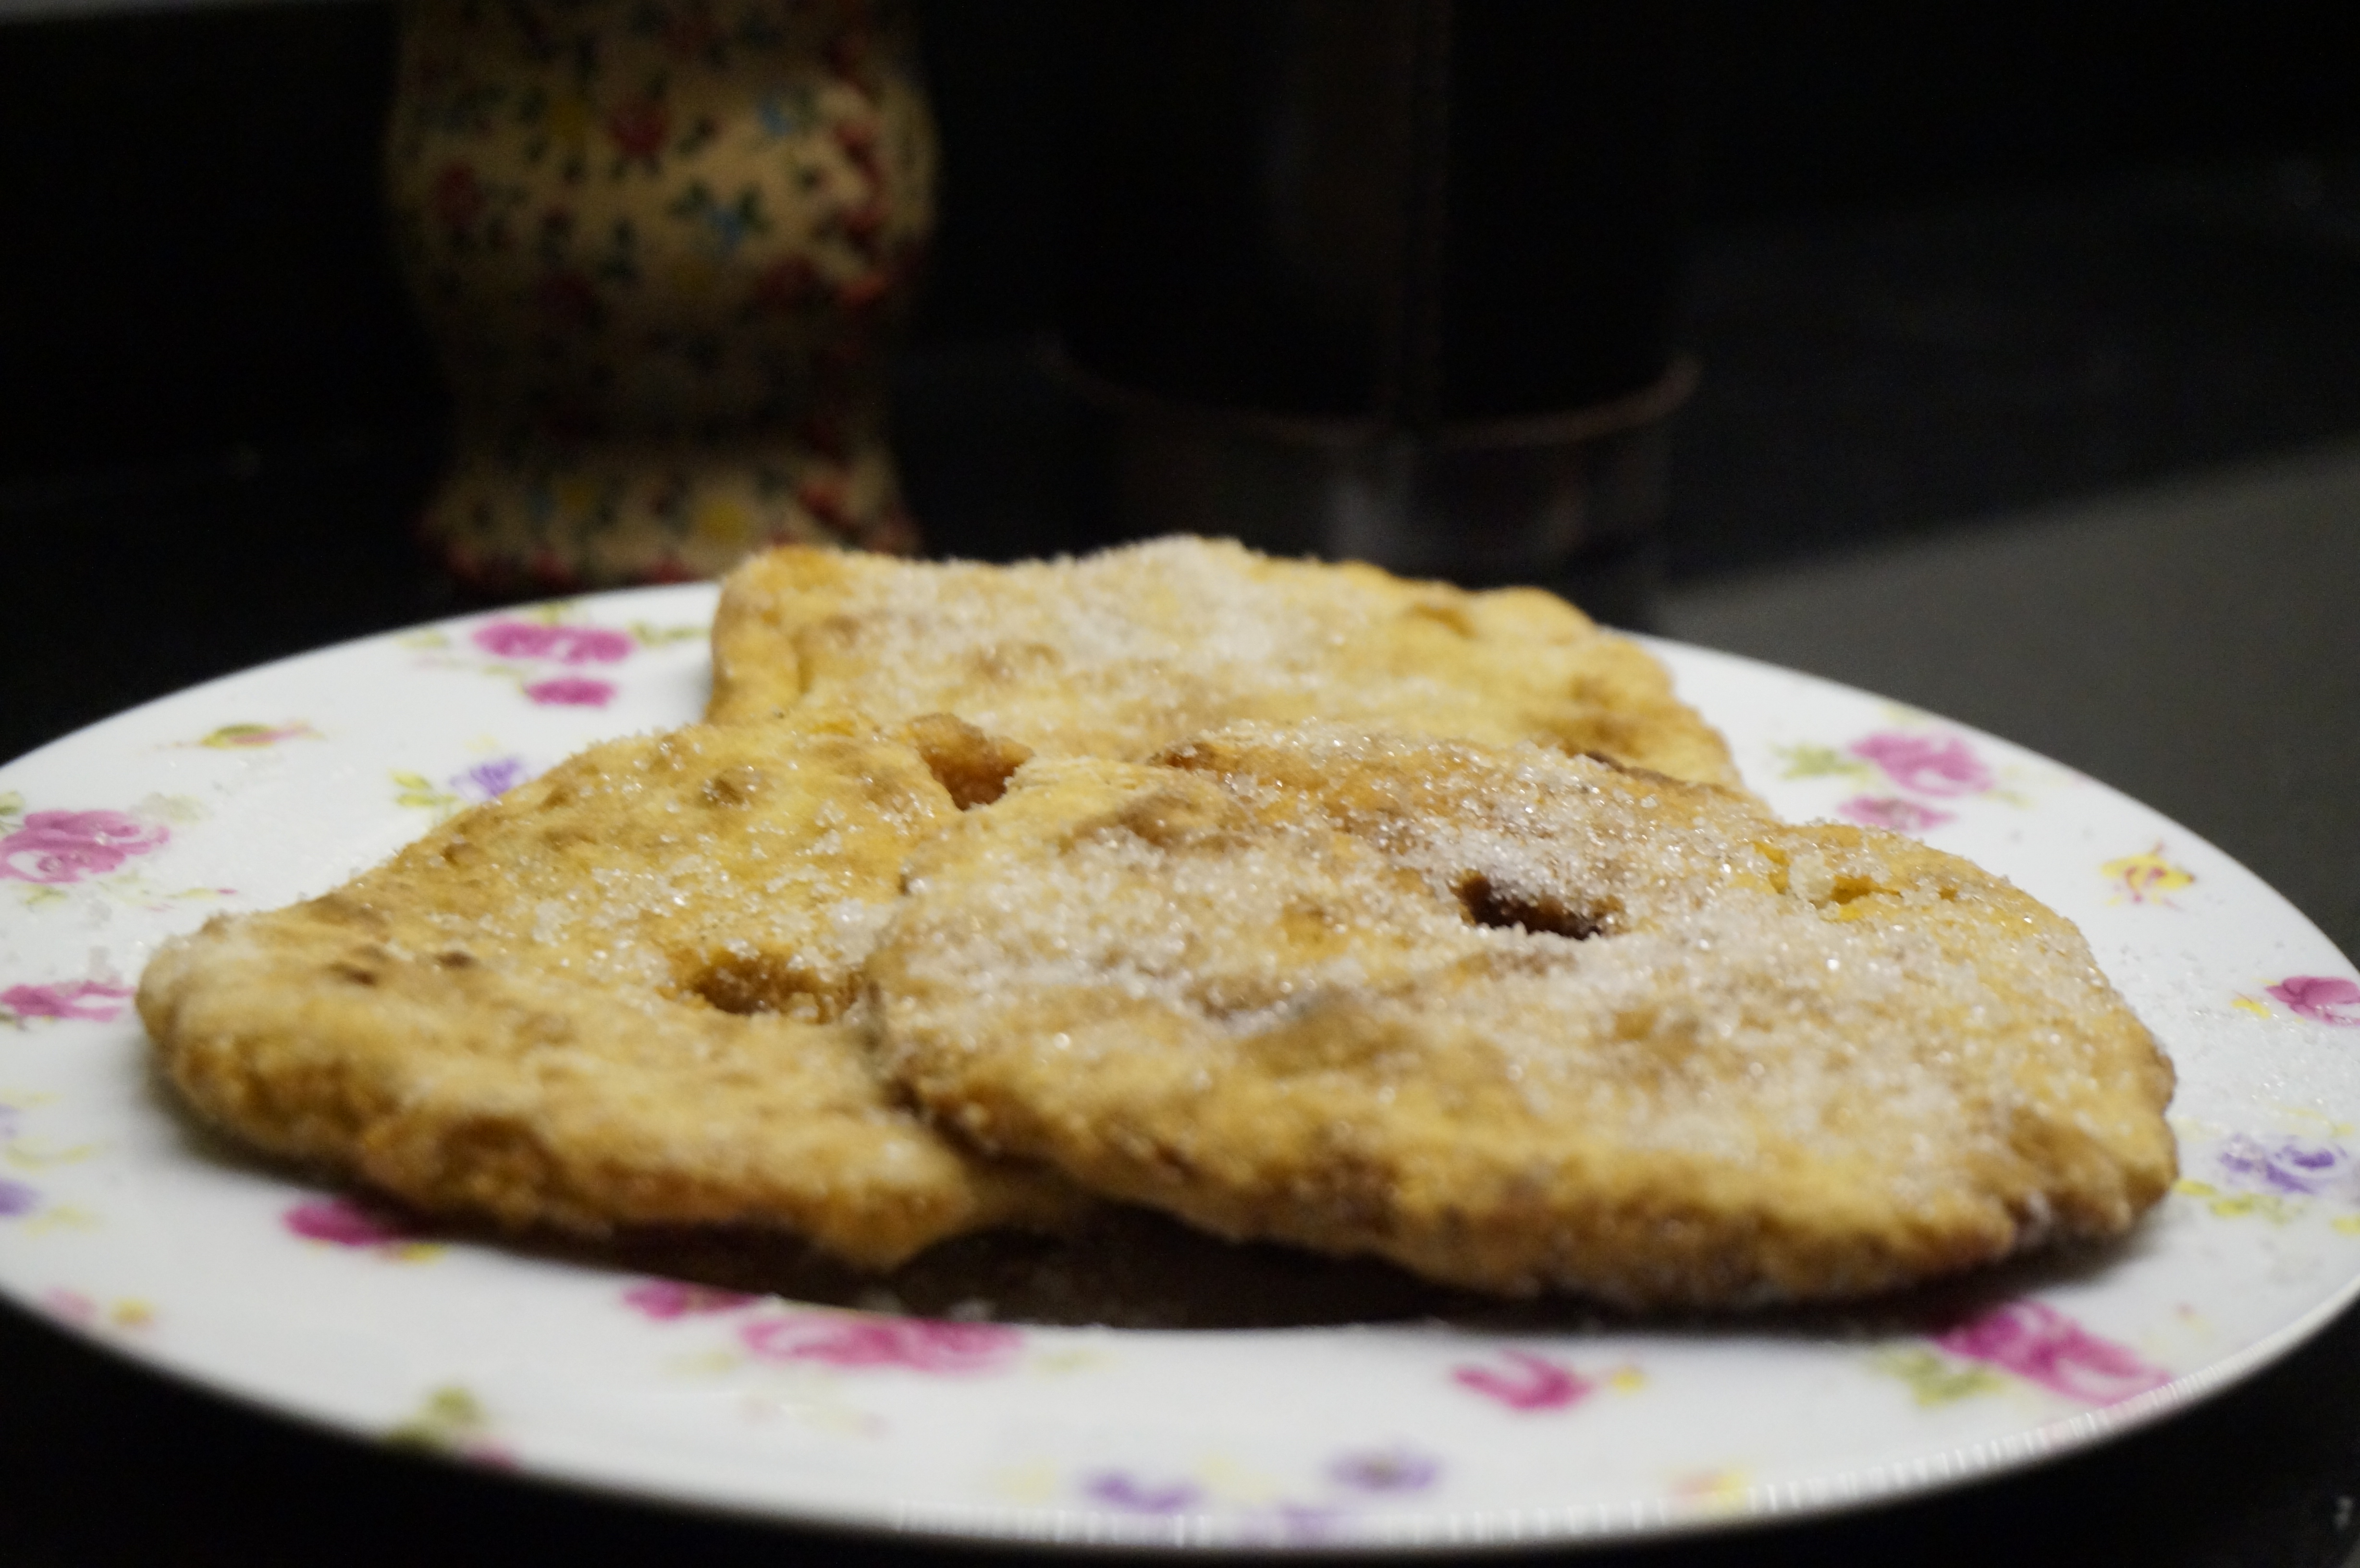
1121,653
1517,1021
616,995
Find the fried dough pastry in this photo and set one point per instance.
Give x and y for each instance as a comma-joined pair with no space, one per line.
1518,1021
613,997
1123,652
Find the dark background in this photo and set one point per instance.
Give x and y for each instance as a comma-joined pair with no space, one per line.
1945,262
193,266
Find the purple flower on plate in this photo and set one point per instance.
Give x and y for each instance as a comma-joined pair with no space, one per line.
15,1198
1121,1490
2321,998
565,644
487,780
1294,1524
65,846
571,692
1925,765
2288,1165
2041,1344
1892,811
65,1001
1385,1470
666,1299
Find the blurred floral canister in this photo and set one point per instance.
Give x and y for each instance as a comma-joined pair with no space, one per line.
660,245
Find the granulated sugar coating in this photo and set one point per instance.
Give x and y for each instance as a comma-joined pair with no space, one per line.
1121,653
1511,1015
1516,1020
613,997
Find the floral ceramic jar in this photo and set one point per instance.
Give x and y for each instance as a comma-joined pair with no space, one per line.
660,244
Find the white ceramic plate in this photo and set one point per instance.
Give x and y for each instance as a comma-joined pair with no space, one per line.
116,1221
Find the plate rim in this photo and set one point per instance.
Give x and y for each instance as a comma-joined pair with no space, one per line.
1826,1495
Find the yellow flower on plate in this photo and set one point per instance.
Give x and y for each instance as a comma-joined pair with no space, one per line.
2147,878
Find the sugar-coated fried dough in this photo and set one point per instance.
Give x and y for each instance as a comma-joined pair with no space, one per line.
1517,1021
1121,653
612,996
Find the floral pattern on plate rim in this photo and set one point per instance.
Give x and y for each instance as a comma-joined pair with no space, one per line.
1927,774
545,651
2279,1176
2148,878
2029,1339
83,1001
250,736
1263,1509
451,1421
53,855
127,1315
360,1226
2321,998
55,848
472,786
34,1209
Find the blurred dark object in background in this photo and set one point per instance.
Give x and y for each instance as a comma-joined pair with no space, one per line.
664,249
197,281
1946,263
1423,211
1390,280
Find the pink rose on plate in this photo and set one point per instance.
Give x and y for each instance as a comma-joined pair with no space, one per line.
340,1222
2321,998
2041,1344
96,1000
566,645
1892,811
571,692
1925,765
70,1305
919,1345
66,846
1529,1383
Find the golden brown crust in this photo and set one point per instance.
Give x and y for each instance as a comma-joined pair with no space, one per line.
613,997
1509,1013
1518,1021
1121,653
